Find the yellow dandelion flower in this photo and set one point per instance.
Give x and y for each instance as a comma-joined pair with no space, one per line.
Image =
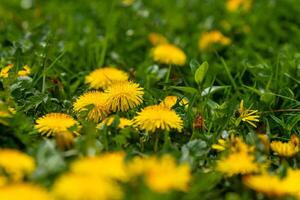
169,54
16,164
156,39
122,96
25,71
220,146
234,5
97,100
170,101
207,39
158,117
123,122
54,123
3,180
242,152
270,185
23,191
246,115
245,165
79,186
5,71
161,174
284,149
109,165
104,77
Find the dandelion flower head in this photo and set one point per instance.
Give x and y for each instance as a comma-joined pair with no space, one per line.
158,117
168,54
97,100
103,77
125,95
16,164
53,123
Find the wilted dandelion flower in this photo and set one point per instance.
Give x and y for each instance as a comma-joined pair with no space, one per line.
122,96
284,149
168,54
234,5
207,39
158,117
97,101
161,174
53,123
81,186
25,71
246,115
5,71
108,165
16,164
170,101
270,185
122,122
24,191
156,39
104,77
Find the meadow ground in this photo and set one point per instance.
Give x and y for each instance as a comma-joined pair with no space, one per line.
143,100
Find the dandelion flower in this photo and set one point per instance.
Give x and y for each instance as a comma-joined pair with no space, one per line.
220,146
122,122
207,39
104,77
158,117
234,5
245,165
16,164
109,165
79,186
170,101
24,191
97,100
270,185
246,115
242,152
5,71
284,149
54,123
122,96
169,54
25,71
161,174
156,39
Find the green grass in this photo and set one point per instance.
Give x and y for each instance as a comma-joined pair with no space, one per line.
62,41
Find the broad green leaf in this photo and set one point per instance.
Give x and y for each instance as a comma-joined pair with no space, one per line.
201,72
185,89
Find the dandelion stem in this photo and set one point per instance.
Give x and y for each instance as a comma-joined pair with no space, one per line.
168,76
167,141
156,142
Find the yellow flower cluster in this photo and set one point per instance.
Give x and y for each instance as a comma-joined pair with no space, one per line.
17,191
285,149
161,174
25,71
208,39
16,164
273,185
246,161
97,177
170,101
